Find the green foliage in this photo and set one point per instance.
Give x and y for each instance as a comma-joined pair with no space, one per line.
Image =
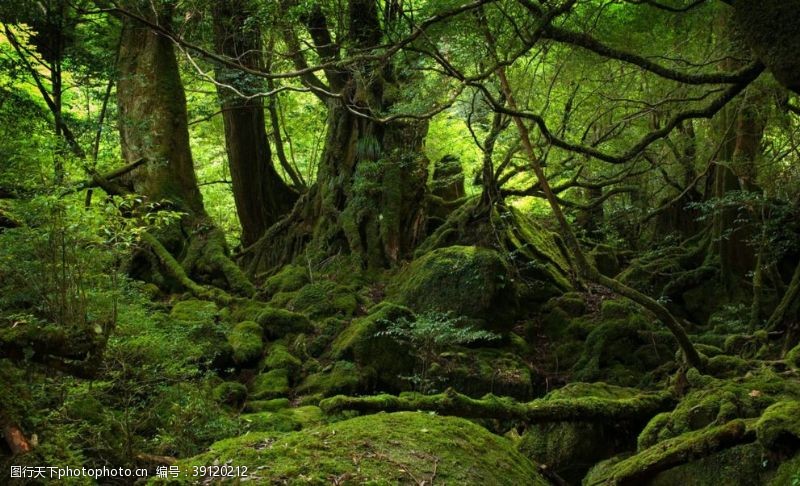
427,336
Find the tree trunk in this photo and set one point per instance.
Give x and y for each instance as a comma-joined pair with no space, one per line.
153,126
261,196
368,197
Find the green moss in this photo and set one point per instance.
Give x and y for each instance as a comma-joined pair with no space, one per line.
230,393
247,311
267,405
467,281
620,350
714,402
194,310
793,357
779,425
324,298
284,420
571,448
788,473
271,384
280,322
290,278
341,377
245,339
618,309
279,356
383,357
378,449
571,303
476,372
725,365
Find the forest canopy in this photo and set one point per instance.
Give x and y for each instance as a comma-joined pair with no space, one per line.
400,241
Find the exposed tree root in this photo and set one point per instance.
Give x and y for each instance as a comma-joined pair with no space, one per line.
665,455
176,271
589,409
788,299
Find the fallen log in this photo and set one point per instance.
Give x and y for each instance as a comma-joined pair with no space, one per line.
587,409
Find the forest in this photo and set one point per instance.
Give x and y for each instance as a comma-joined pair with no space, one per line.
425,242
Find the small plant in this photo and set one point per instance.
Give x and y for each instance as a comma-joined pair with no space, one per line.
428,336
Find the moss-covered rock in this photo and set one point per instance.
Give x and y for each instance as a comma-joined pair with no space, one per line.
267,405
397,448
714,402
245,339
283,420
194,310
621,349
571,448
278,356
341,377
290,278
280,322
779,426
466,281
323,298
272,384
379,356
230,393
476,372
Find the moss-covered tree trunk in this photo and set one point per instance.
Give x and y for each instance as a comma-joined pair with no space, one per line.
261,196
153,126
368,197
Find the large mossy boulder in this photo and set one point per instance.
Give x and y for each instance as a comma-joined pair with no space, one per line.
379,357
245,339
571,448
396,448
476,372
470,282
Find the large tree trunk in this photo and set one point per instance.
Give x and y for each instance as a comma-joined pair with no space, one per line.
368,198
153,126
260,194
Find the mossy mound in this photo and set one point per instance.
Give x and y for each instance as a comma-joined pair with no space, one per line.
272,405
272,384
245,339
194,310
714,402
467,281
278,356
323,298
280,322
289,279
381,357
621,348
283,420
476,372
230,393
340,377
793,357
397,448
779,426
571,448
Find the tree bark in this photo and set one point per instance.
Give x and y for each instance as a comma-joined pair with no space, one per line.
153,126
261,196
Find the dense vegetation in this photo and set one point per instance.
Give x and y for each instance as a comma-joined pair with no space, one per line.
401,241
